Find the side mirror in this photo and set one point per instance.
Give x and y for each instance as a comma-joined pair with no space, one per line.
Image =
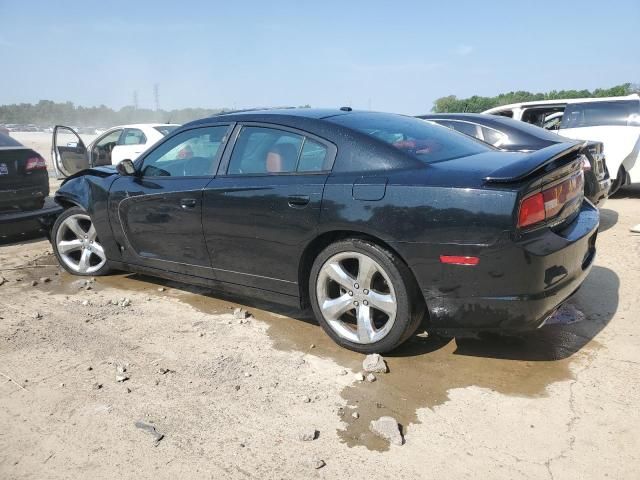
126,168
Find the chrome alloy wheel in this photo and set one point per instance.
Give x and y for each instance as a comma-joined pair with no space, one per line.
78,246
356,297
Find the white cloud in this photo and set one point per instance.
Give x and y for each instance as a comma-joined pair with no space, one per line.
464,50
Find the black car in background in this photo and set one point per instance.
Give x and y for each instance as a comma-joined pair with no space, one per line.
24,188
514,136
370,218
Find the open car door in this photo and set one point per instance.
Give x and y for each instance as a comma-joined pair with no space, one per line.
68,151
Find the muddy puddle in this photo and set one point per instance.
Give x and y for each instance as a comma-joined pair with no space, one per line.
424,370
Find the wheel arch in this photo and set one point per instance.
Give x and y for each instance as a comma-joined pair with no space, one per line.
322,241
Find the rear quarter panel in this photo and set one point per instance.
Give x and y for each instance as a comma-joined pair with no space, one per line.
422,222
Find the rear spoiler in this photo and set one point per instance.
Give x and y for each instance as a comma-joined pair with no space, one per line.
534,162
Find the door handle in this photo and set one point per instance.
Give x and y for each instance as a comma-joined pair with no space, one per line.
187,203
298,201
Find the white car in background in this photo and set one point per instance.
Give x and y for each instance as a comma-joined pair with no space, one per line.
70,155
614,121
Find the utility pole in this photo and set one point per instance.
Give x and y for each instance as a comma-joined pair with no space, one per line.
135,99
156,95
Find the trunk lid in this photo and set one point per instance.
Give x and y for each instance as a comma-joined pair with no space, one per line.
550,184
13,168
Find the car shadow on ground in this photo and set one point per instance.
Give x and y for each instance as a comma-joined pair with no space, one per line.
597,299
608,218
629,191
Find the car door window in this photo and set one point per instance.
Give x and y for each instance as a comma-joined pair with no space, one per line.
313,158
133,136
101,150
192,153
260,150
619,113
269,151
109,139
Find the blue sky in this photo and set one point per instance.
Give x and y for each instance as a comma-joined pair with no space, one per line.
391,56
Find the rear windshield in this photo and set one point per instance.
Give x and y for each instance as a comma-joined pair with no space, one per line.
425,141
7,141
532,130
166,129
622,112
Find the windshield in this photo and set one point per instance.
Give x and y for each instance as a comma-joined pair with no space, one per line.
166,129
7,141
425,141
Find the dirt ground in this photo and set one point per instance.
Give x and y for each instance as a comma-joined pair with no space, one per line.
231,398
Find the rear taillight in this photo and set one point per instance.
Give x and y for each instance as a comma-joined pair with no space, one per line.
531,210
36,163
549,202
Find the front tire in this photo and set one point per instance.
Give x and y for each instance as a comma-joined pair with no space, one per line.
364,296
76,244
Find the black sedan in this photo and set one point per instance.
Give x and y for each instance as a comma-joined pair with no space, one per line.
514,136
24,187
373,219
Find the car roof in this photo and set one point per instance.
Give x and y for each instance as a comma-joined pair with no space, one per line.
284,116
560,102
145,125
316,113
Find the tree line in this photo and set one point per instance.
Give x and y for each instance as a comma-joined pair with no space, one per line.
477,104
47,113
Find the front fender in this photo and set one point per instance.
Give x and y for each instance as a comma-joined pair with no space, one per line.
90,191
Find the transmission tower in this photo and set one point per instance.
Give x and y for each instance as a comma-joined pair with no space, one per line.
156,95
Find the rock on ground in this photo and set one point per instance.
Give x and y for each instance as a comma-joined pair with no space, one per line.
374,363
308,435
387,428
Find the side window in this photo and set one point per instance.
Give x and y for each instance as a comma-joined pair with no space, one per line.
192,153
109,138
470,129
313,157
619,113
133,136
260,150
492,136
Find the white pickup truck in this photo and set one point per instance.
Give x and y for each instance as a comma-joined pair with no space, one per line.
614,121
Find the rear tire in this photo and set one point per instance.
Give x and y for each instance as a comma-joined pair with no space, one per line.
364,297
76,244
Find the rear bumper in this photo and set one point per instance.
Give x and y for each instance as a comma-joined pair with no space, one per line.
16,197
13,224
518,284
